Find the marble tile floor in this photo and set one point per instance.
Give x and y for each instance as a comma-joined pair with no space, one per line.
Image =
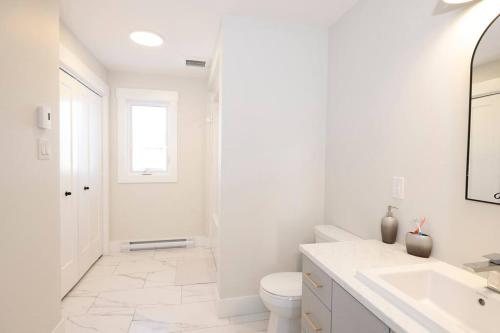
158,291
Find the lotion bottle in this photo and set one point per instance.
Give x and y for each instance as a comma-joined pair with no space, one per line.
389,226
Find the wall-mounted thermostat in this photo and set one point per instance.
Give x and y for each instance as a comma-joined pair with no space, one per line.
44,117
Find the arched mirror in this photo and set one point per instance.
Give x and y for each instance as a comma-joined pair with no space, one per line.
483,158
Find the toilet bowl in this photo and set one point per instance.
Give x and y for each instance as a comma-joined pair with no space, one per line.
281,293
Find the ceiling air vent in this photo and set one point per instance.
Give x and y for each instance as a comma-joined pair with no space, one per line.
195,63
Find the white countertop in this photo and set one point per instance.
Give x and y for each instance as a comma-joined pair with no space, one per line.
342,260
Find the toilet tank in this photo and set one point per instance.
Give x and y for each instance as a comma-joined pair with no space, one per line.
330,233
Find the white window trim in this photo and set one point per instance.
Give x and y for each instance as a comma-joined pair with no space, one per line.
162,97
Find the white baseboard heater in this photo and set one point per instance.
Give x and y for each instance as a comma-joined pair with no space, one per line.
157,244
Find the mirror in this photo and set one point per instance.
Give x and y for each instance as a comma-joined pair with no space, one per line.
483,154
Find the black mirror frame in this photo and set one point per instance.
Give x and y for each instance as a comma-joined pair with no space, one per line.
470,115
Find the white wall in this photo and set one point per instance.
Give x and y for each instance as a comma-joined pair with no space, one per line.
273,108
398,106
71,42
29,188
166,210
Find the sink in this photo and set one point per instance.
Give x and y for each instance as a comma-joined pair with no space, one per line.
441,297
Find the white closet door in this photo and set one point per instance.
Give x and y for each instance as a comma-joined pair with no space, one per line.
81,151
94,187
69,218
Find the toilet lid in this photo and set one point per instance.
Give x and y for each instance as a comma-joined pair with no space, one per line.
287,284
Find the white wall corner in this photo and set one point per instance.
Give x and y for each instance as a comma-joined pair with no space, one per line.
239,306
60,327
201,241
115,247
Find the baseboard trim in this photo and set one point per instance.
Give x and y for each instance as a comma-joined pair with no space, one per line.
239,306
59,327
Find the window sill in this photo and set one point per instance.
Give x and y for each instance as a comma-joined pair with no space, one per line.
150,179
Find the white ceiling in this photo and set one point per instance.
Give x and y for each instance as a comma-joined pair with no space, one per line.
189,27
489,48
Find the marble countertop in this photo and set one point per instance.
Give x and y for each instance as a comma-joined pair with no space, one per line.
342,260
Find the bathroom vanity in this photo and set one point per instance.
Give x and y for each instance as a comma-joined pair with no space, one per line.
327,307
371,287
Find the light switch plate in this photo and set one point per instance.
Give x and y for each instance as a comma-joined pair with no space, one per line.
398,187
43,149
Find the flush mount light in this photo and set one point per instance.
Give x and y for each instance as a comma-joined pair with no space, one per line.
146,38
457,1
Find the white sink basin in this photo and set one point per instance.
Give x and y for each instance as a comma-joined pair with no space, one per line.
441,297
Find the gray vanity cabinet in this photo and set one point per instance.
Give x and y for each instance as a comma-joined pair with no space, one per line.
350,316
315,315
318,282
328,308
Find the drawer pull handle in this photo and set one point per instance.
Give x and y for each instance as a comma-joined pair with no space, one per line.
314,283
311,323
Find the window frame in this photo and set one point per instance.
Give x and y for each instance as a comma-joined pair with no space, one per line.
125,99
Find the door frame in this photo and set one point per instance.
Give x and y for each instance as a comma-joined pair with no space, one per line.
72,65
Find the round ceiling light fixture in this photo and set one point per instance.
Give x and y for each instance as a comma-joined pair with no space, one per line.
146,38
454,2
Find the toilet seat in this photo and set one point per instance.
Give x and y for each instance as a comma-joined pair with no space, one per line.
284,285
281,293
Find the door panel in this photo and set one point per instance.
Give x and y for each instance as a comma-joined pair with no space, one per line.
82,130
69,232
81,158
95,176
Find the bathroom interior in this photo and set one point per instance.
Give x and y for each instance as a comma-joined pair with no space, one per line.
235,166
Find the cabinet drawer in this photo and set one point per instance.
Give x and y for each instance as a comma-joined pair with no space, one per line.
318,281
315,316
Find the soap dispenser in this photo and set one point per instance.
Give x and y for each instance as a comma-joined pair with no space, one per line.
389,226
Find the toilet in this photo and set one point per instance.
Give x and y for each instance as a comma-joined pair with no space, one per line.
281,293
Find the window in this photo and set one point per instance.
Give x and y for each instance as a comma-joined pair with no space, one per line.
147,136
148,126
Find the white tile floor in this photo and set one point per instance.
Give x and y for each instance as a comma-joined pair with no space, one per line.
152,292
